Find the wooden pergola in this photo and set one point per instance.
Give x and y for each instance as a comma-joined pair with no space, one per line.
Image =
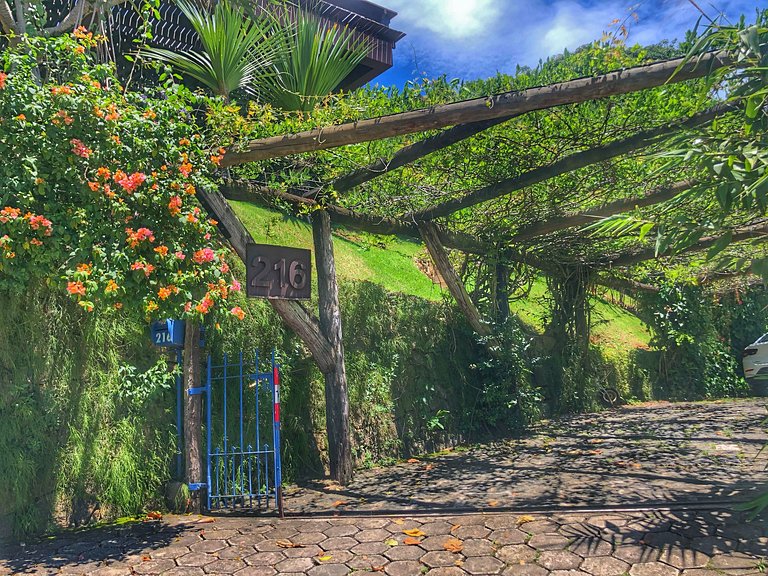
322,333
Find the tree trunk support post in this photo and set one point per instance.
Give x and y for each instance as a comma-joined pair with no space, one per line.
336,395
193,413
456,287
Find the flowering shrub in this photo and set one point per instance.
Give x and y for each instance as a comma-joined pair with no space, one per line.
97,193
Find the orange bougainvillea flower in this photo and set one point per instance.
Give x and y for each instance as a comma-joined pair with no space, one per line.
85,269
149,114
174,206
111,287
3,76
130,183
80,149
205,305
238,312
61,90
9,213
204,255
151,306
76,288
21,117
103,172
94,186
162,250
189,189
184,142
185,169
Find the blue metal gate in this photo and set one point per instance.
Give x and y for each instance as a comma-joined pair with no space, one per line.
243,435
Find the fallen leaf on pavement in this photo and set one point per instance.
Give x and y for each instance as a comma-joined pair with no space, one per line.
288,544
390,542
493,503
206,520
453,545
525,518
399,521
154,515
595,441
377,568
340,503
413,460
455,527
411,541
414,532
325,558
429,467
146,558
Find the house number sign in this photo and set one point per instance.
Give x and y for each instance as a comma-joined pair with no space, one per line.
278,272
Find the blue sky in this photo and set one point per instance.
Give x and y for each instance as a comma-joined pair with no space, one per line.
471,39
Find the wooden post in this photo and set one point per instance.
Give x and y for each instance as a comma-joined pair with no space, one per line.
455,285
336,396
193,413
501,297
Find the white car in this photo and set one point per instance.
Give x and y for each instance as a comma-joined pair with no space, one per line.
755,359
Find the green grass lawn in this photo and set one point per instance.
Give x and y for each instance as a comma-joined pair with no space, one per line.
391,262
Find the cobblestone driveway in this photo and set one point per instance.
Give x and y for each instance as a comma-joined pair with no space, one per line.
679,467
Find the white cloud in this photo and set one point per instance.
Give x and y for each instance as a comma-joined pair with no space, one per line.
454,19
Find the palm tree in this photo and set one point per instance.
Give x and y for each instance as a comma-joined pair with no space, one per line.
289,59
236,49
313,58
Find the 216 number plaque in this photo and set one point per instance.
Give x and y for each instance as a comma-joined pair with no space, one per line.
278,272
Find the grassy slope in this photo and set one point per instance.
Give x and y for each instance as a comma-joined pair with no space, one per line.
358,257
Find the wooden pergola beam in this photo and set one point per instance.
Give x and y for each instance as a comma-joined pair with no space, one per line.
655,196
499,106
565,165
411,153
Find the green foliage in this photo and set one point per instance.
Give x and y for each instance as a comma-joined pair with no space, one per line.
98,185
695,360
76,443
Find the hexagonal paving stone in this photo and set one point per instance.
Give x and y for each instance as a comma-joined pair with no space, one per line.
652,569
336,556
367,562
184,571
483,565
294,565
342,543
604,566
372,535
309,538
171,552
636,554
559,560
313,526
370,548
539,527
343,530
265,558
208,546
684,558
516,554
330,570
152,567
477,547
269,545
304,552
733,561
567,573
700,572
404,553
195,559
220,534
500,522
235,552
436,559
437,528
403,568
434,543
508,536
281,533
446,571
466,532
113,571
543,542
525,570
224,566
246,539
587,547
607,521
256,571
371,523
